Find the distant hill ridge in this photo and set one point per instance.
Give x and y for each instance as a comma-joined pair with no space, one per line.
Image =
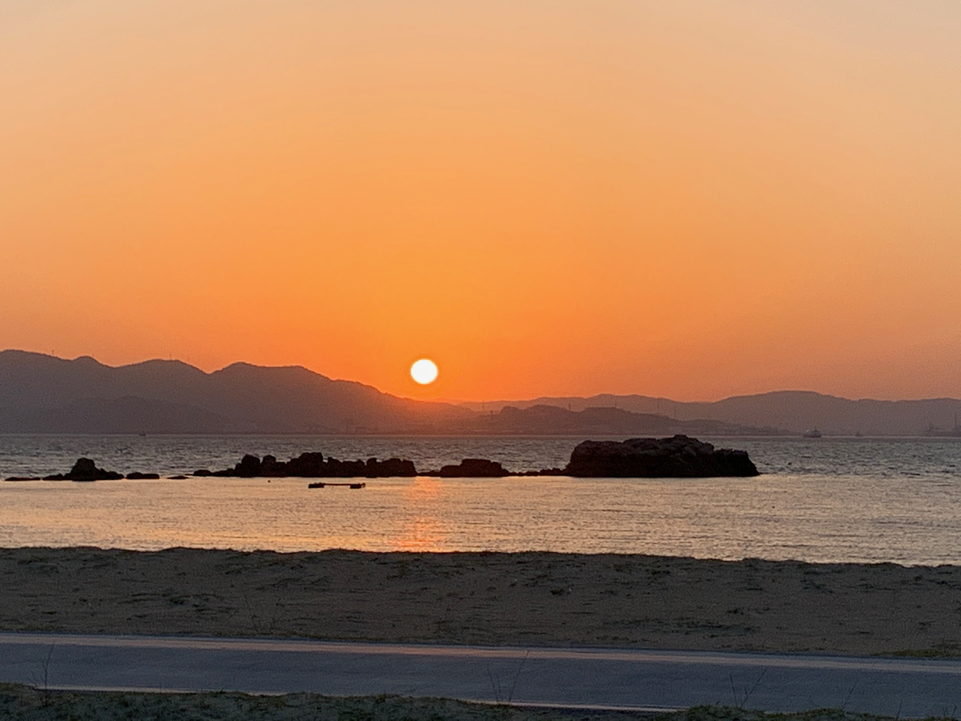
788,411
43,394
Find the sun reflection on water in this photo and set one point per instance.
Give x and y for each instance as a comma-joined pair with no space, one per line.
424,532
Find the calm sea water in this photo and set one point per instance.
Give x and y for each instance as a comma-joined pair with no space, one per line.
818,500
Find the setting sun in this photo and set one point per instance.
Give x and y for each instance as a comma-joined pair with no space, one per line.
424,371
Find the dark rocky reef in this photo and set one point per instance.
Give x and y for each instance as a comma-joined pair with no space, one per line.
677,457
314,465
85,470
474,468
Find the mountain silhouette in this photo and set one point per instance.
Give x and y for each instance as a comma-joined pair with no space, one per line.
786,411
44,394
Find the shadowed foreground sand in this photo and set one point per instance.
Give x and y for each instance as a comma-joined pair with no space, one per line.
487,598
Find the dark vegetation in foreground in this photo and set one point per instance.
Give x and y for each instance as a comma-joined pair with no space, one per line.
29,704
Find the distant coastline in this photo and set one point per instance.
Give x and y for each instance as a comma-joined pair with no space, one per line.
44,394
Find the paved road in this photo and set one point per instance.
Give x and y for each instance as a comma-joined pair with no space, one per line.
598,677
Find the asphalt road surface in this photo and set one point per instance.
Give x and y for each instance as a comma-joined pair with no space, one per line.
550,676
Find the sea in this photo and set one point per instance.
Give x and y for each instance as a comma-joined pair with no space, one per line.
859,500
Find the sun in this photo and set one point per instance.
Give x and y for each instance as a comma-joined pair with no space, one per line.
424,371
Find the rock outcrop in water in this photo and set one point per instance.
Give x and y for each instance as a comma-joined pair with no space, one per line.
314,465
138,476
677,457
85,470
474,468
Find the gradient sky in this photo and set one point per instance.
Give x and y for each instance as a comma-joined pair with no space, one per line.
692,199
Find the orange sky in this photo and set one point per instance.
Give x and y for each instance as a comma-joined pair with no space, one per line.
692,199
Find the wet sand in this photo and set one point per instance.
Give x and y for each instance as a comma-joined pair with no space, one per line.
544,599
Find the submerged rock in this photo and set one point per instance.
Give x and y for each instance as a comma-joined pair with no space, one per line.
677,457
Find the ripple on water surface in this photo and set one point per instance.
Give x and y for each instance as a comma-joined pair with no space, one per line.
825,500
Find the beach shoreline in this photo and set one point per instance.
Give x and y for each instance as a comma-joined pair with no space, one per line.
526,599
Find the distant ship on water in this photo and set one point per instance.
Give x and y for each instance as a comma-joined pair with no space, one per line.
813,433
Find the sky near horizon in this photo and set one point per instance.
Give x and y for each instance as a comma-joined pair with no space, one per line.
691,199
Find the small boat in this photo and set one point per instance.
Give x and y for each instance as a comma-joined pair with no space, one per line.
813,433
323,484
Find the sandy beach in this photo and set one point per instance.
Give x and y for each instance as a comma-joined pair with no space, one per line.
487,598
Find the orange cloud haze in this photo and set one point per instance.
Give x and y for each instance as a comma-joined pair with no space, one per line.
691,199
